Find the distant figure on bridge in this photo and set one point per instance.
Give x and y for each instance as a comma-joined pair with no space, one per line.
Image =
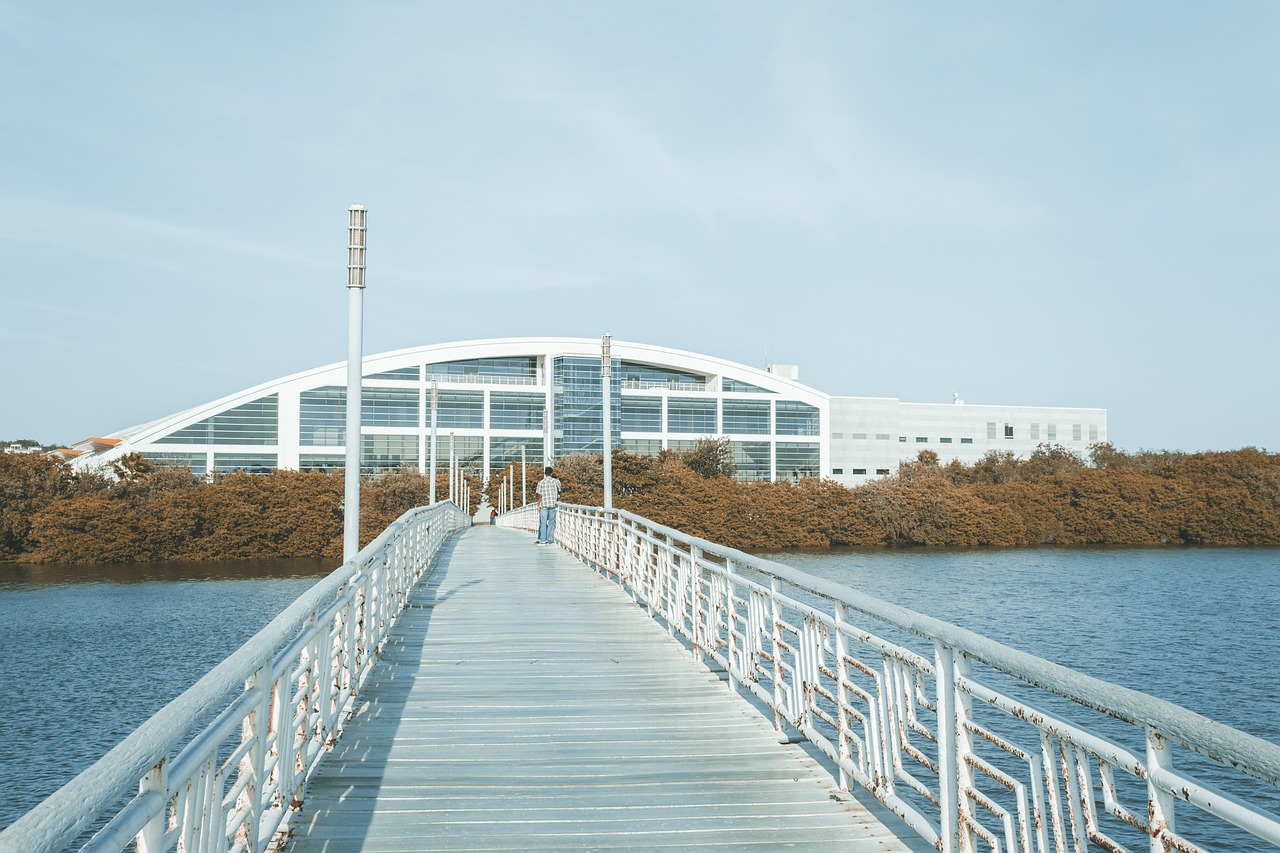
493,516
548,495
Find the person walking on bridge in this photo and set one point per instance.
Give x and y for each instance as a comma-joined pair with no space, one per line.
548,496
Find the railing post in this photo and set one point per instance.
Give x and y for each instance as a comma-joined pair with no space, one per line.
151,839
948,770
1159,802
842,697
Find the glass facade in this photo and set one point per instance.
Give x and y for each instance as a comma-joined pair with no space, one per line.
388,407
737,386
467,449
514,410
642,414
323,422
458,410
691,415
321,462
254,463
796,418
642,446
751,458
746,416
409,373
251,423
799,459
578,410
648,376
503,450
197,462
521,369
387,452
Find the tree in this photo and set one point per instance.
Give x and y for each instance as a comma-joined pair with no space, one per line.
710,458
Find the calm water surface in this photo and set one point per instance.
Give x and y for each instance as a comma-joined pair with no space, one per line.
91,652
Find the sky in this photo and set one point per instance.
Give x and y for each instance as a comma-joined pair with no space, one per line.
1025,204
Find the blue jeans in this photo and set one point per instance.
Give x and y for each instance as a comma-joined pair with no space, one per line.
546,524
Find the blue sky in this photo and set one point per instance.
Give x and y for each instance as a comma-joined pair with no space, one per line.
1042,204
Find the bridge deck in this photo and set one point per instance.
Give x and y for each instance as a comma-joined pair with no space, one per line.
526,703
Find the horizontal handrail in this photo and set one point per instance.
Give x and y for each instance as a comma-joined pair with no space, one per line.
283,695
920,733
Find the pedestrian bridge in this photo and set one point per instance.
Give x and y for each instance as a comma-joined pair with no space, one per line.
636,688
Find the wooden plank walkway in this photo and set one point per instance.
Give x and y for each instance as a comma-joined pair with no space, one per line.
527,703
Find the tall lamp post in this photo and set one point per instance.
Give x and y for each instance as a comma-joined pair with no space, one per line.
435,405
605,371
355,328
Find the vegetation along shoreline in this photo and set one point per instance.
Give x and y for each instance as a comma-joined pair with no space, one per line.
141,512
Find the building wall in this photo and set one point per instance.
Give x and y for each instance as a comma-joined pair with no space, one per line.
870,436
494,394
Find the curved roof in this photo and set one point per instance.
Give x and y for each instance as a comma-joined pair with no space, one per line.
335,374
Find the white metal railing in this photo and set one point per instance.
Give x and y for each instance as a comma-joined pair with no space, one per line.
967,740
254,728
521,518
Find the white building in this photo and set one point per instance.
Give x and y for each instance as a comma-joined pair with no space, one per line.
498,398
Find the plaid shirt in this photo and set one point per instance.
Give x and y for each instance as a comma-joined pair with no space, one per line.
548,492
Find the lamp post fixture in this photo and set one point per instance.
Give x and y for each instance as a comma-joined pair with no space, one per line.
605,371
357,223
435,405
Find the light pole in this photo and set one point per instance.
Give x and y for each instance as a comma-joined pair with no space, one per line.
435,405
453,475
357,223
524,479
605,371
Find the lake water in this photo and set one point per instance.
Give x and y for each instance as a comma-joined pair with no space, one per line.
91,652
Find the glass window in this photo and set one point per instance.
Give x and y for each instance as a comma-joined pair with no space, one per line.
836,435
254,463
679,445
513,410
920,439
750,459
1093,433
882,436
642,446
902,439
966,441
799,459
837,470
516,370
737,386
1035,432
409,373
467,449
642,414
323,422
944,441
991,430
858,471
650,376
689,415
387,452
321,462
505,450
859,435
1053,432
882,471
459,409
796,418
251,423
1075,432
749,417
579,408
1008,430
197,462
388,407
